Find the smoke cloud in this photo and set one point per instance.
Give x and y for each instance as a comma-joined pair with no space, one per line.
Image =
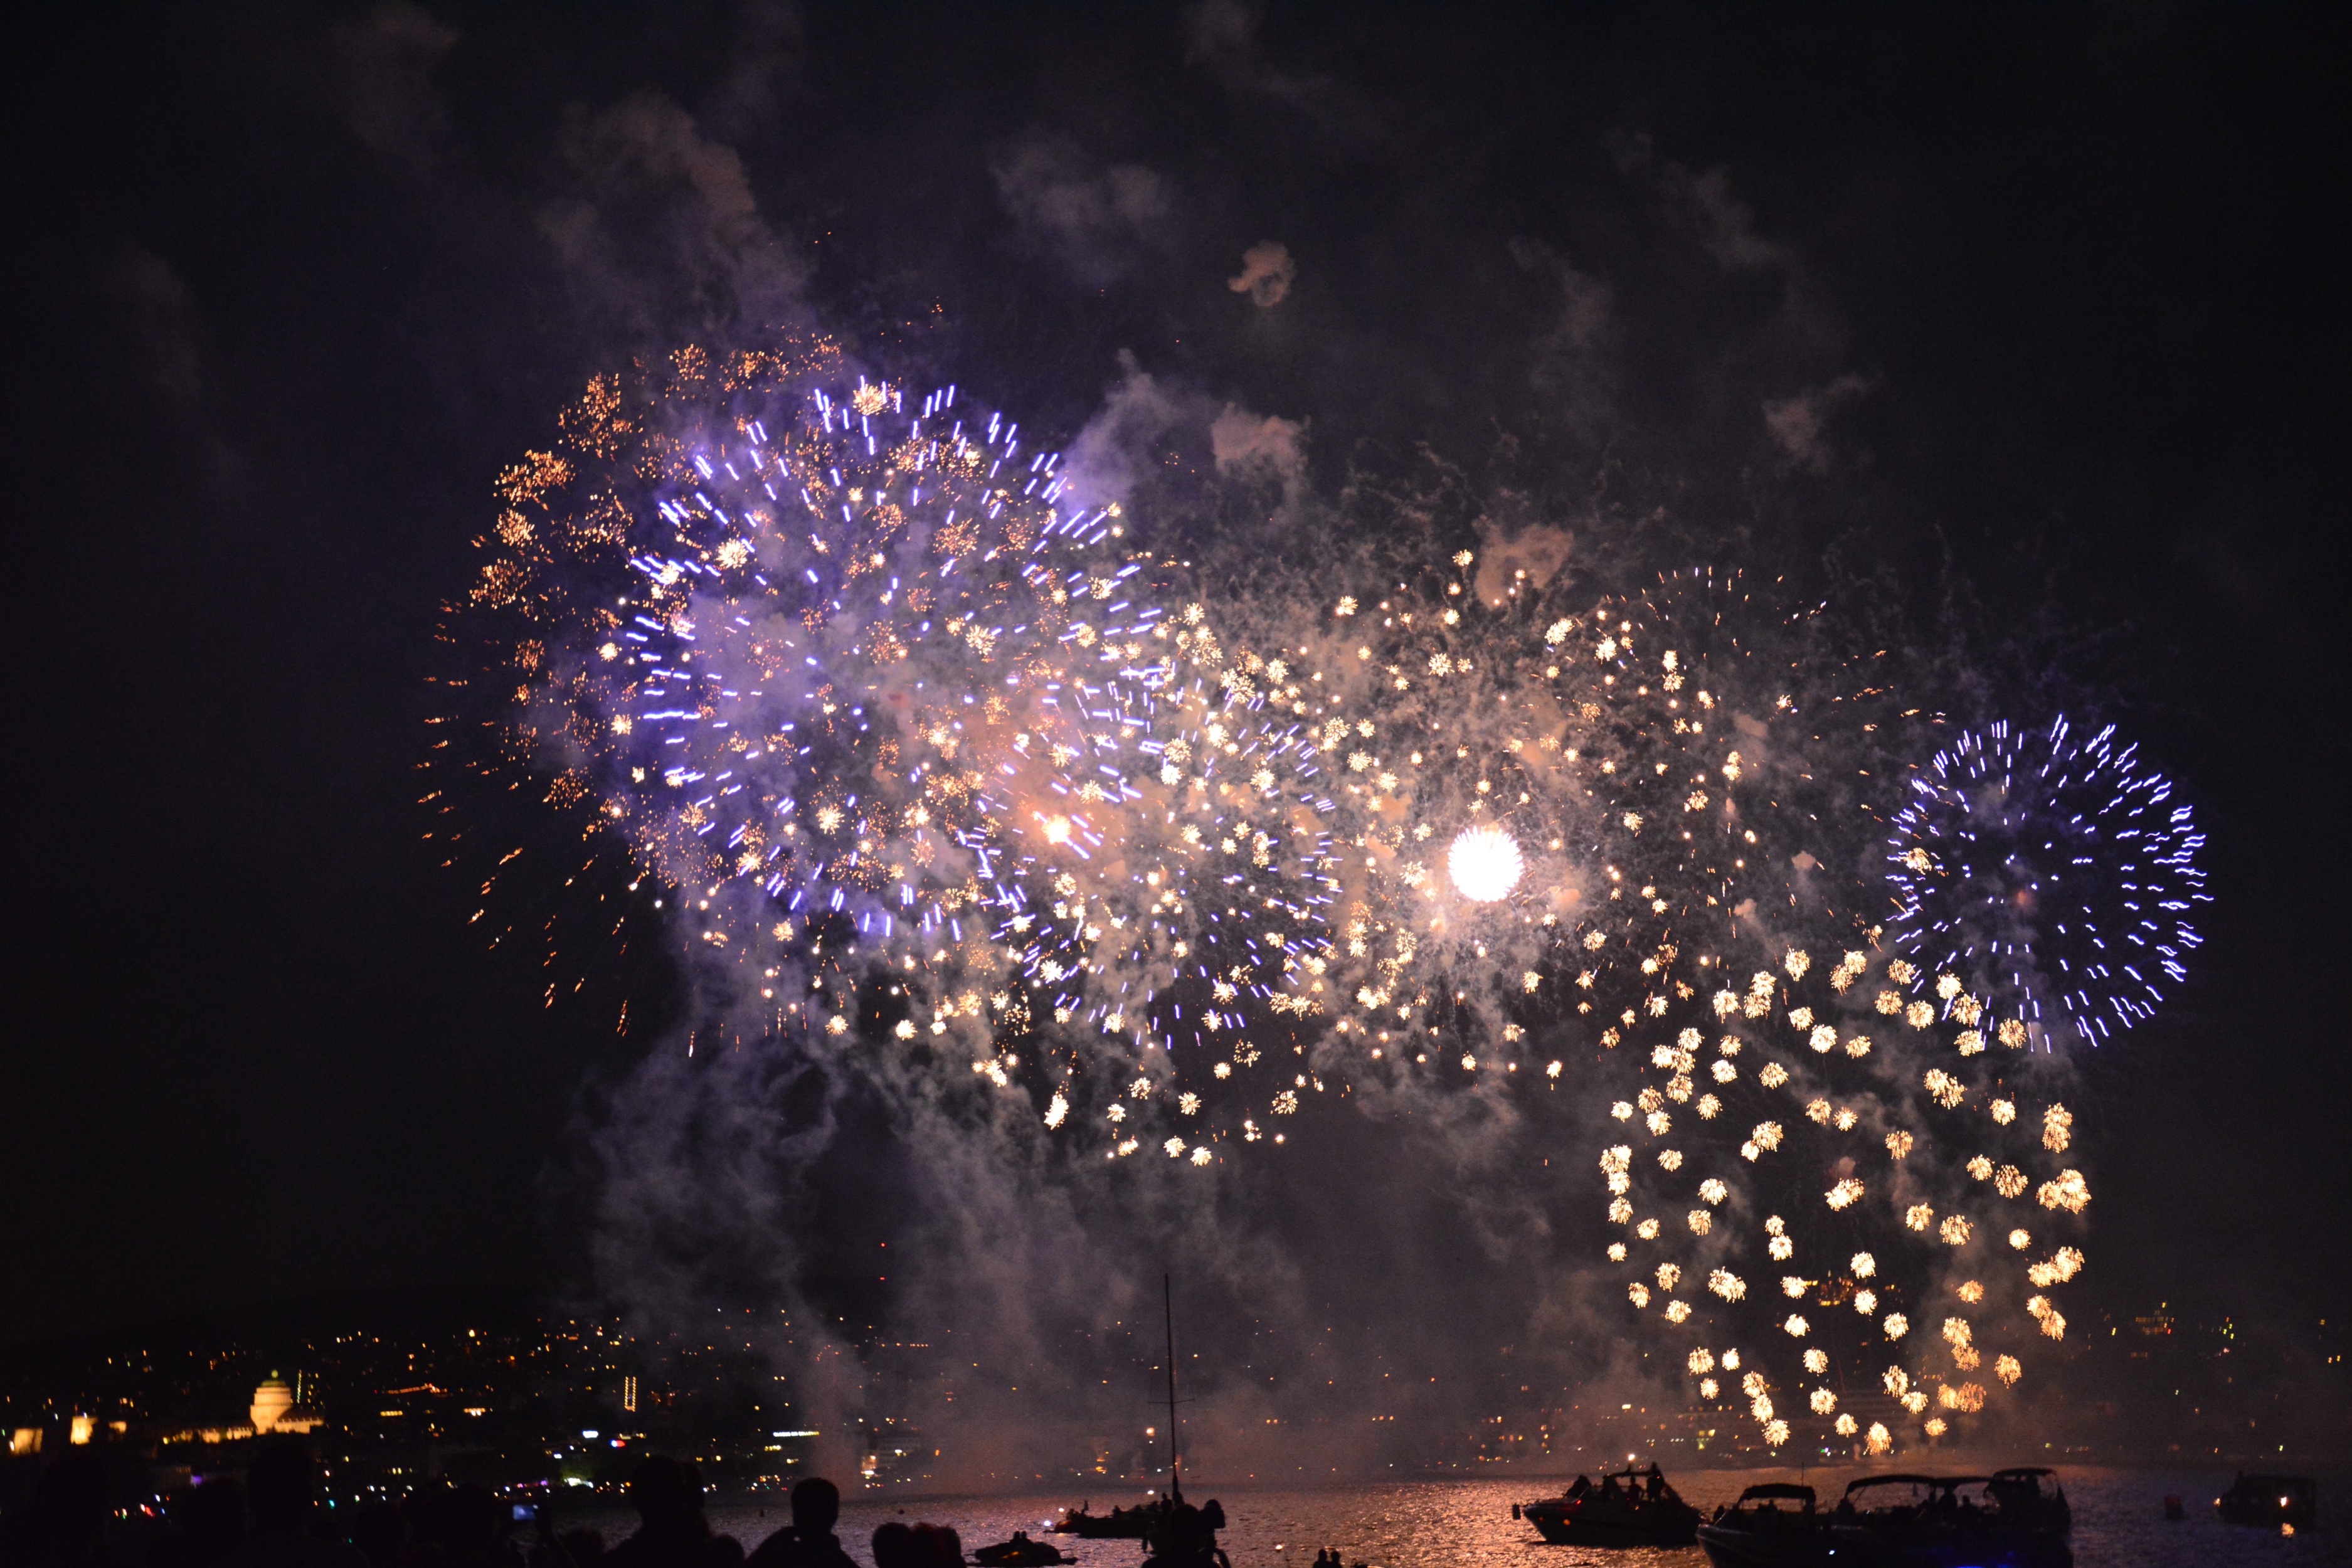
661,235
1095,219
1266,274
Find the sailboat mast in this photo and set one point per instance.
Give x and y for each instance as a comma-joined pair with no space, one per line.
1175,1470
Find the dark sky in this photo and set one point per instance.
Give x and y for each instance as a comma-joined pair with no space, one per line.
2065,289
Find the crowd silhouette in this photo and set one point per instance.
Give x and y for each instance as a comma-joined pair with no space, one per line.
271,1517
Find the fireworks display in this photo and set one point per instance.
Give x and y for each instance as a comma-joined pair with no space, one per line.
1484,863
962,783
1829,1232
2050,869
916,745
1863,1164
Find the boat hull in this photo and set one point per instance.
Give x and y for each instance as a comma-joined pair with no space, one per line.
1850,1548
1975,1549
1770,1549
1570,1527
1103,1527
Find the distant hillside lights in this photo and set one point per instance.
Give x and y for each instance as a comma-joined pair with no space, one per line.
80,1431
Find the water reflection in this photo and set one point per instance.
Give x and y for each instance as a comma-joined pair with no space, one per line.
2118,1517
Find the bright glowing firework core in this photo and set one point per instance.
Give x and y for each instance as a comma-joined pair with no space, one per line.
1486,864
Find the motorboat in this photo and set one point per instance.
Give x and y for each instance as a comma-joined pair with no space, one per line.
1021,1551
1119,1524
2269,1502
1774,1525
1939,1521
2031,1497
1642,1511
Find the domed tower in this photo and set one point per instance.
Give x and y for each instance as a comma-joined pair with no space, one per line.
271,1401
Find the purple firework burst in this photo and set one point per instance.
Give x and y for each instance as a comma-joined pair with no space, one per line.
2052,875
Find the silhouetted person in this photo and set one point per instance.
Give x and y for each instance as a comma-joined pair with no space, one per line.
808,1541
464,1523
579,1547
900,1546
280,1489
60,1524
207,1525
381,1532
582,1548
1184,1536
672,1533
894,1544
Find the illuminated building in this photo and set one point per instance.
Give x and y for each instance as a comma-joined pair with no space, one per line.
274,1409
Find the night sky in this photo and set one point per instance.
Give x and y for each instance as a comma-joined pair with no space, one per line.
2066,289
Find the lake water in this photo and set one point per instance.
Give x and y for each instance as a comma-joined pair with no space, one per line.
2118,1520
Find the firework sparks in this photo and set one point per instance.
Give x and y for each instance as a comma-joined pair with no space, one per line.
2053,869
903,731
1485,864
925,755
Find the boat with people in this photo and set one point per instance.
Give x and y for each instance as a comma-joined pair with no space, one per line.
1119,1524
2269,1502
1774,1525
1642,1511
1185,1536
1021,1551
2015,1518
1944,1521
1177,1533
2030,1496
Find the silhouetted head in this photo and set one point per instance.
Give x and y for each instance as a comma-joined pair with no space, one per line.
213,1516
63,1516
894,1546
379,1530
666,1492
816,1503
474,1518
282,1483
938,1546
428,1509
